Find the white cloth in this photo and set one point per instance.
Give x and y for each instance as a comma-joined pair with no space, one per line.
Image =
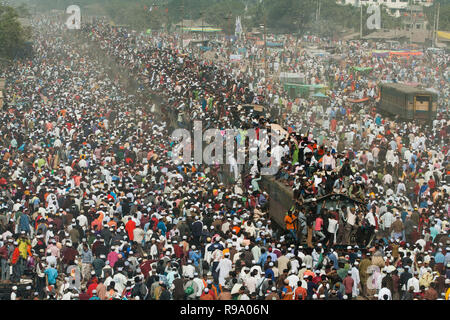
384,291
356,281
224,267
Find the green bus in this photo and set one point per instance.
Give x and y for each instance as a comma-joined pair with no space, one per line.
408,102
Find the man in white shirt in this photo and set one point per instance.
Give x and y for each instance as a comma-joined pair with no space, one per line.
223,268
350,226
414,282
83,221
387,219
188,270
14,293
356,279
251,281
120,280
332,229
293,280
387,179
200,285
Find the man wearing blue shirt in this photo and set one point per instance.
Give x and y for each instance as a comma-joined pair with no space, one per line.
161,226
311,288
269,272
439,259
51,275
262,257
433,232
333,258
195,255
447,255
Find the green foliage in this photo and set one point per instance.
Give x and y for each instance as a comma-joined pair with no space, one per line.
294,16
12,34
444,14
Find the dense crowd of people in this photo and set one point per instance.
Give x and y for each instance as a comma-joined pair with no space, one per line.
95,207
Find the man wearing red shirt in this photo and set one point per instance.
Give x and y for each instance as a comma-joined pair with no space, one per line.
144,219
146,267
318,229
317,278
207,295
130,226
84,296
178,250
68,255
300,292
348,284
431,184
92,287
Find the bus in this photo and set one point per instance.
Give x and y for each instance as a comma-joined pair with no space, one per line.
408,102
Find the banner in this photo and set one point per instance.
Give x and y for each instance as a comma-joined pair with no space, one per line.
235,57
443,35
204,29
186,42
238,29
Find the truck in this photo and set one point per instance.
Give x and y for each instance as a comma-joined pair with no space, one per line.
407,102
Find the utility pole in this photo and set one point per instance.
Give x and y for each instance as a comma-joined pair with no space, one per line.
182,21
318,15
230,16
437,23
411,26
433,31
167,19
182,25
203,24
361,19
319,8
266,74
316,12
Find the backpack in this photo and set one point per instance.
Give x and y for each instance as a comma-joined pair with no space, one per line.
189,290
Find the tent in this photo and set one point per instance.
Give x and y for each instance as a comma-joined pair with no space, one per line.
380,53
291,77
358,100
274,44
204,29
319,95
405,53
362,69
296,90
281,131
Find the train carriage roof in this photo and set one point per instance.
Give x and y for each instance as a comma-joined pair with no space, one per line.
404,88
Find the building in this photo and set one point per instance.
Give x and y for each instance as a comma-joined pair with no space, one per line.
419,37
394,7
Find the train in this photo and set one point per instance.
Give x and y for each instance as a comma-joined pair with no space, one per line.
408,102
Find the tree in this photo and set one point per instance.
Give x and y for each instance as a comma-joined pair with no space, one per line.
444,14
12,34
283,16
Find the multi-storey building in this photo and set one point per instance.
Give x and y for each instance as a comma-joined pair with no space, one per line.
393,7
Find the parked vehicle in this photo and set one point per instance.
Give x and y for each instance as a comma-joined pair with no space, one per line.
408,102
